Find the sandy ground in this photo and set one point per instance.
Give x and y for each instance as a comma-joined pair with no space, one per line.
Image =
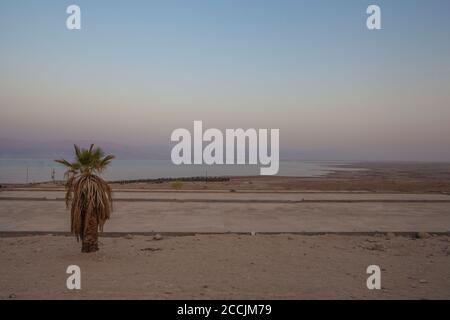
380,197
236,217
237,212
227,267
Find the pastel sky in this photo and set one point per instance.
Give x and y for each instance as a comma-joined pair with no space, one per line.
140,69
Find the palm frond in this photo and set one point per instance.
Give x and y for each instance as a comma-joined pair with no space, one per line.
64,162
77,151
87,160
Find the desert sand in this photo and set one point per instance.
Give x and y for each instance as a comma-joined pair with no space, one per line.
195,212
350,207
227,267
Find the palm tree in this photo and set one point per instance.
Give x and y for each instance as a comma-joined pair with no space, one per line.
88,195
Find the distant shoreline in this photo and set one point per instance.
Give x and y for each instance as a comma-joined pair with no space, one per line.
410,177
155,171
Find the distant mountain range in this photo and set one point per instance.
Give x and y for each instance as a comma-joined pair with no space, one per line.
18,149
21,149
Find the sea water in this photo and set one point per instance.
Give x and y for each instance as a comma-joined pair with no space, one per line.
39,170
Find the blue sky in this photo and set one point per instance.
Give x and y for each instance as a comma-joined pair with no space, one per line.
140,69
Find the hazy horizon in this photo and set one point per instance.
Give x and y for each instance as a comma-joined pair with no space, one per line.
137,70
11,149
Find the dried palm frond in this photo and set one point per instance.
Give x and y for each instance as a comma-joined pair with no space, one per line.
88,196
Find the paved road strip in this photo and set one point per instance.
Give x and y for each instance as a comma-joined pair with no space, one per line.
239,200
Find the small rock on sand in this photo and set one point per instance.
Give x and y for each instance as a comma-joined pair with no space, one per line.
151,249
422,235
158,237
390,235
128,237
375,247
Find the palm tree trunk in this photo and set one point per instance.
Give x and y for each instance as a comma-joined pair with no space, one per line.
90,238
